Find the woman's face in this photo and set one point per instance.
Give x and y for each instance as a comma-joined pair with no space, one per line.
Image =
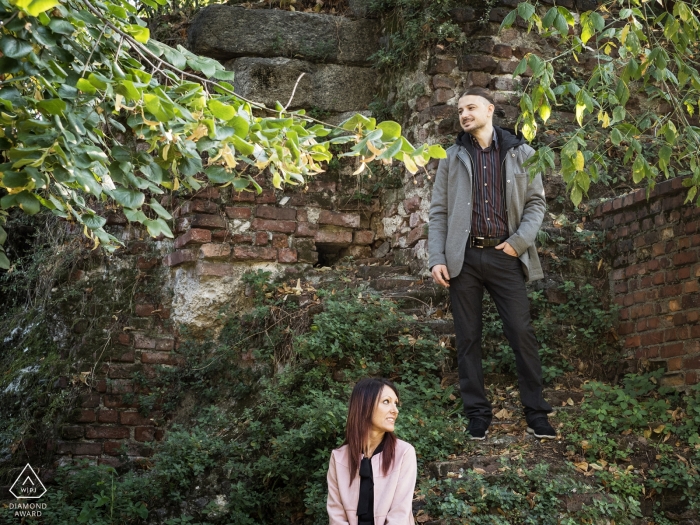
386,411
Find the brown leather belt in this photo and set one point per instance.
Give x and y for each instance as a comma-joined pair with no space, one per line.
485,242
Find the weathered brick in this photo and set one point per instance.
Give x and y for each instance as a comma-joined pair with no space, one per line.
143,341
306,229
261,238
117,401
691,377
278,214
179,257
685,258
239,212
673,380
193,236
691,362
321,186
214,251
243,196
165,343
242,238
85,415
443,82
72,432
254,253
89,400
159,358
671,350
632,341
106,432
363,237
416,234
144,433
479,79
333,237
502,51
134,419
274,226
106,415
477,63
215,269
209,222
122,371
146,263
196,206
209,192
346,220
287,255
266,197
79,449
441,66
120,386
651,338
279,240
441,96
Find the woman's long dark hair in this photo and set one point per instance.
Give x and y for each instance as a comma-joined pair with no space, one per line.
363,401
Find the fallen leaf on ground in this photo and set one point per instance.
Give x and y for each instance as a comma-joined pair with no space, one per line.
582,466
503,414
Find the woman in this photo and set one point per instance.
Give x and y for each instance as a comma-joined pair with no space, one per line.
372,476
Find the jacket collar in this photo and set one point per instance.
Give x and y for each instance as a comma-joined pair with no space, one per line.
507,139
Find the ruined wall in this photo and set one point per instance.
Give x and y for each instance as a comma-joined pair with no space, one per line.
655,245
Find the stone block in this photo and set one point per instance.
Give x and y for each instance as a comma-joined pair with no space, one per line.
477,63
278,214
254,253
416,234
329,87
502,51
506,67
159,358
463,14
442,66
443,82
144,433
106,432
364,237
107,415
221,31
214,251
333,237
79,449
412,204
274,226
306,250
504,84
306,229
214,269
239,212
346,220
193,236
441,96
287,255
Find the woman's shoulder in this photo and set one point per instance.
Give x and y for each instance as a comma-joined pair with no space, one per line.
340,454
403,447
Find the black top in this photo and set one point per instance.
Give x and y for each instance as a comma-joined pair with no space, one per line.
365,505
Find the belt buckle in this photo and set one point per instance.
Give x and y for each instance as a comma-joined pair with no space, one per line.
474,245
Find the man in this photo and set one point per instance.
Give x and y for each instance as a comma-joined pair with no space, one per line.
484,216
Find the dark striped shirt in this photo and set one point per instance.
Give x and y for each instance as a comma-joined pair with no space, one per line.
489,213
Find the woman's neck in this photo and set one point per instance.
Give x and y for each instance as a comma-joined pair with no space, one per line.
375,438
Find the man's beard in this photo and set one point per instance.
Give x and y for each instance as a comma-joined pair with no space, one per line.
474,129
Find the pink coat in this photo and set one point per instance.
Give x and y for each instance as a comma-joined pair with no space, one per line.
393,493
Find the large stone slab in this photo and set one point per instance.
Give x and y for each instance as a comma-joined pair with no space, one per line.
224,32
327,87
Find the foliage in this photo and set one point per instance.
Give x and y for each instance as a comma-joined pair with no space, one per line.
412,26
521,495
97,116
578,328
636,98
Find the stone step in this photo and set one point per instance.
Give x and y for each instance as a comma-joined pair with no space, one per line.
438,326
396,282
428,296
377,271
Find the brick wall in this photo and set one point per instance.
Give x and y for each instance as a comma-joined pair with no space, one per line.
656,270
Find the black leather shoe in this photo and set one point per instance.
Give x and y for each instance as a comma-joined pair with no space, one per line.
478,428
540,428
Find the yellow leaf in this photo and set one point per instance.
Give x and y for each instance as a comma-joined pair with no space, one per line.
373,149
360,169
659,429
545,111
647,434
595,466
579,113
582,466
479,471
570,402
198,133
529,130
503,414
623,35
410,165
580,161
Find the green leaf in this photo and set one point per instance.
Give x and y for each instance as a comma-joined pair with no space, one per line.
561,25
157,227
4,261
358,120
390,130
155,107
664,159
526,10
36,7
219,174
15,179
127,197
140,34
222,74
93,221
28,202
509,20
156,207
135,215
437,152
13,48
85,86
97,80
3,235
638,169
242,146
576,195
52,106
616,137
62,27
221,111
391,151
240,125
521,68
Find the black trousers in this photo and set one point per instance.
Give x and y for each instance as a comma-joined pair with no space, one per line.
502,275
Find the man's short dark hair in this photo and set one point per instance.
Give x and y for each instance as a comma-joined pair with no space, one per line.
479,92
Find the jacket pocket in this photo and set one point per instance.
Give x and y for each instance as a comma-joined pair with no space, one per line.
521,174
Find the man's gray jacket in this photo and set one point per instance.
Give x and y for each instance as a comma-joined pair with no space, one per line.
451,205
